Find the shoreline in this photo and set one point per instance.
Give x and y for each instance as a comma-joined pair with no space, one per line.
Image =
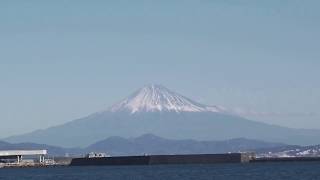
148,160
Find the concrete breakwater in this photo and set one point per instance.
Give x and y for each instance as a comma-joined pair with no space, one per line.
165,159
160,160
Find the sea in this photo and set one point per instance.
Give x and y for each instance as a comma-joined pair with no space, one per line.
259,171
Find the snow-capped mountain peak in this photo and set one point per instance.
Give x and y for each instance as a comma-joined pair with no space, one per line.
158,98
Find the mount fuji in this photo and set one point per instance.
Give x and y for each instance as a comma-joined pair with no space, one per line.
157,98
157,110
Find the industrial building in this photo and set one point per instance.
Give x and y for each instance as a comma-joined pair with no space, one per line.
17,156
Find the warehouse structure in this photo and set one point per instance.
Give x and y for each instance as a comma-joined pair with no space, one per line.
19,154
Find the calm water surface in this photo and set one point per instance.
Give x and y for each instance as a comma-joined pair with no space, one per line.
260,171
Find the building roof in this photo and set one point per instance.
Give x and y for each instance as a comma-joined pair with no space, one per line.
22,152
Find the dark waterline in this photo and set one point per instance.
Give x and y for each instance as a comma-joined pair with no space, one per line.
260,171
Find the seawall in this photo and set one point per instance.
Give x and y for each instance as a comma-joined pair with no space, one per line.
164,159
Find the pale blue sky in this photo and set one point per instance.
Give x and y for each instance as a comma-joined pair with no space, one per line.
61,60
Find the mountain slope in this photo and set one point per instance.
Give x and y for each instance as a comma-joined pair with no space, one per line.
158,98
151,144
157,110
52,150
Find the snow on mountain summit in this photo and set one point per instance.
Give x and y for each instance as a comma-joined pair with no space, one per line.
158,98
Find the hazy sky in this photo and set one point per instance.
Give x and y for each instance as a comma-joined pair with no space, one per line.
62,60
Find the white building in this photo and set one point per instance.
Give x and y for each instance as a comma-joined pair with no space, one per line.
18,154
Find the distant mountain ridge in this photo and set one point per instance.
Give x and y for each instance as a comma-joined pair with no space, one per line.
157,110
149,144
53,150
